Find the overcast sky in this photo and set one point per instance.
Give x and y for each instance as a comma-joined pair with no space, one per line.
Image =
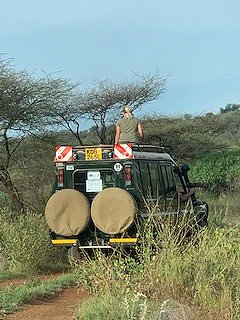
195,42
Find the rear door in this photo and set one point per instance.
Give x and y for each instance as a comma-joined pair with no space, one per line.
91,181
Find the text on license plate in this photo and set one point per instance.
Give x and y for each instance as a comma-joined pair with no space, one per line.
93,154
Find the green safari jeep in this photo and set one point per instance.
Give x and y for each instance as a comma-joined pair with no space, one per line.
102,192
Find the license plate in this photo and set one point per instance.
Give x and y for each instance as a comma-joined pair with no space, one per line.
93,154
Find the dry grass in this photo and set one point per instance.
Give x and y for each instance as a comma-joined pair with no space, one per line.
198,276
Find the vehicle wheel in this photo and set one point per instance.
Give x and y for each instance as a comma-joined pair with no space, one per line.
73,253
202,221
201,215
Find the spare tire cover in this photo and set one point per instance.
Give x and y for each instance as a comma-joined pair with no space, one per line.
68,212
113,210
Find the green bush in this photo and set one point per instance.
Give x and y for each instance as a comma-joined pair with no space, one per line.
25,243
130,307
221,171
223,209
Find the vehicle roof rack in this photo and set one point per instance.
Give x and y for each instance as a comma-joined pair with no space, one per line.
135,147
139,151
148,148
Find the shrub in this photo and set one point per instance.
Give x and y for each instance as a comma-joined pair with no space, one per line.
219,170
24,241
131,307
202,272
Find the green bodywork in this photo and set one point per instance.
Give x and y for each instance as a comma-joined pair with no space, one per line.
154,181
149,185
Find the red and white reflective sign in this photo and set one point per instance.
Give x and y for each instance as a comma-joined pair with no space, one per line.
63,153
123,151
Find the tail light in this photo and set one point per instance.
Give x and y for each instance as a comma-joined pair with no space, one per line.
60,177
128,174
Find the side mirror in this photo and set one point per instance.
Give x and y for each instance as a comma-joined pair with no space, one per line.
185,168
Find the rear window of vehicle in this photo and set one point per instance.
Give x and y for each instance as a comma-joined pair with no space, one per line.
90,182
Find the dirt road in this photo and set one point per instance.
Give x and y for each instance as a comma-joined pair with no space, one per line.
61,307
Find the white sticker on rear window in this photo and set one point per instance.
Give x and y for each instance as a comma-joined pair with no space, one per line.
94,185
93,175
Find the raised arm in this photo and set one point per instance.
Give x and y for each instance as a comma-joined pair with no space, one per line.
140,130
185,196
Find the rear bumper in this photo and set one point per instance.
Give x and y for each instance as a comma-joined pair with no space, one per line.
110,244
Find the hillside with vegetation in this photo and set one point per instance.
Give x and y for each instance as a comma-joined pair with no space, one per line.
209,143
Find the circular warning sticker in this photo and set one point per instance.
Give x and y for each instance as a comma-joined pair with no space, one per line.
118,167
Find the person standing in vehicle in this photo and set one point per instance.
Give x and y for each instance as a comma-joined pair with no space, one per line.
128,128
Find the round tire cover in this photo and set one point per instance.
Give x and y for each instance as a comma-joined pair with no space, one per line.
113,210
67,212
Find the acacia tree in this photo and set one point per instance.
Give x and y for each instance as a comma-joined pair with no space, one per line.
23,104
102,103
230,107
65,113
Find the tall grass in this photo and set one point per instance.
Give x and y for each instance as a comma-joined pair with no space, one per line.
224,209
193,278
25,243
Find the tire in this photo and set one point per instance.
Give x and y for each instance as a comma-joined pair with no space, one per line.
73,253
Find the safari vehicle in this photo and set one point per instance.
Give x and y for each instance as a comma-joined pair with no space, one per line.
101,193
